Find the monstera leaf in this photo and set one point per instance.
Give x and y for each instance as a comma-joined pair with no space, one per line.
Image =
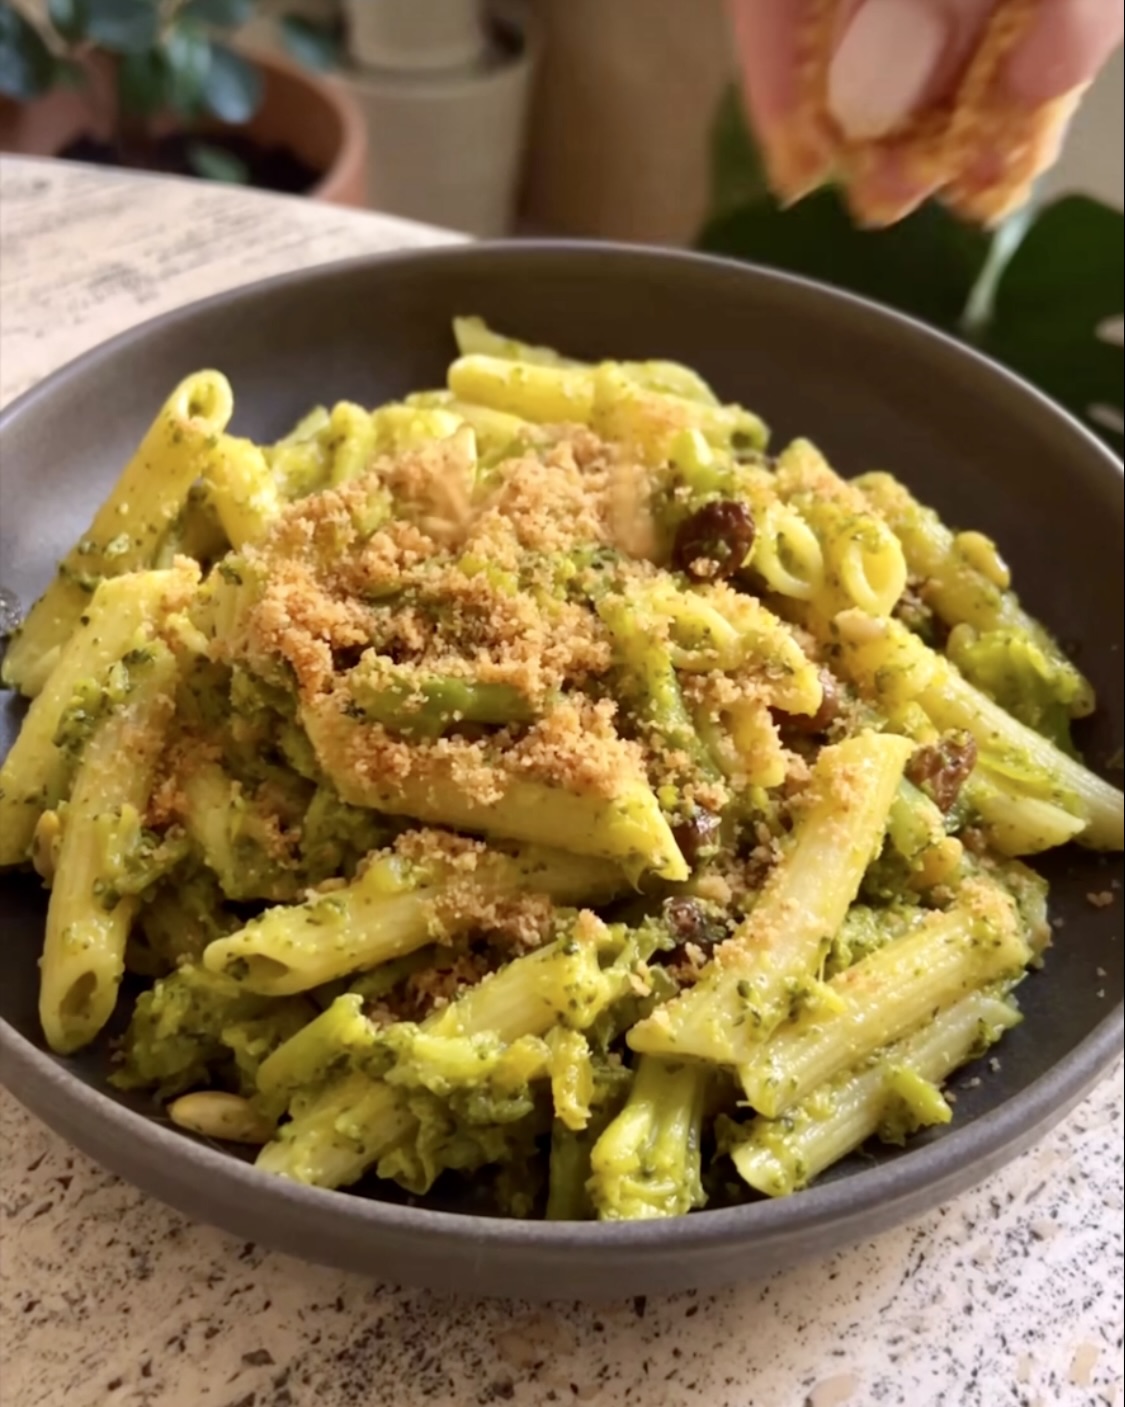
1044,295
1056,314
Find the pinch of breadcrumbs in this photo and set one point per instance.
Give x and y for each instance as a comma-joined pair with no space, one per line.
552,511
714,888
639,984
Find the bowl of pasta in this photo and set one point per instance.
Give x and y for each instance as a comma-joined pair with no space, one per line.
526,770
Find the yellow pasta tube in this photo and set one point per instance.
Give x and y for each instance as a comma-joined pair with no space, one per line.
1018,825
889,994
355,1120
243,489
895,667
126,531
475,337
351,438
966,581
864,561
628,828
539,393
787,554
757,744
88,921
120,617
867,562
747,989
384,915
778,1157
651,423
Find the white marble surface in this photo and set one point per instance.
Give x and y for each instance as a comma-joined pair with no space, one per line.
1010,1295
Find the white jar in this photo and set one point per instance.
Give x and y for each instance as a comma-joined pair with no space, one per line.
446,146
416,35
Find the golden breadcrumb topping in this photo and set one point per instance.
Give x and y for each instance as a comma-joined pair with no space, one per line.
486,586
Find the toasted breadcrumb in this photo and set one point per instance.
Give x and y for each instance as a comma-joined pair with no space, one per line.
435,987
423,578
688,966
184,754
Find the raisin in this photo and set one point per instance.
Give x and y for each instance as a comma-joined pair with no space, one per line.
696,835
715,541
686,920
941,770
826,714
691,923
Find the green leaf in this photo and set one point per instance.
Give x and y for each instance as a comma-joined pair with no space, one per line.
122,26
1064,282
219,14
927,265
142,84
1032,296
27,66
314,45
737,174
215,164
187,57
68,17
232,88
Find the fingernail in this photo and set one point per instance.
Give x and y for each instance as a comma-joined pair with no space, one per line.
884,64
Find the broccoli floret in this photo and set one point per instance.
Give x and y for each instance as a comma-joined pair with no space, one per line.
1014,672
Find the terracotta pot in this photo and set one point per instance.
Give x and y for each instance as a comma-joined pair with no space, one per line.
309,114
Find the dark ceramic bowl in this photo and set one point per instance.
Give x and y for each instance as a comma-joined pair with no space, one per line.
876,391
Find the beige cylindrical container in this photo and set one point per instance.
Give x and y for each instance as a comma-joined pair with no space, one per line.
417,35
623,115
446,146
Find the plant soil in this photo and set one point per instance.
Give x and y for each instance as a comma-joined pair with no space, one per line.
269,168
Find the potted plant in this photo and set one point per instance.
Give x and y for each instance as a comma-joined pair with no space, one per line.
162,85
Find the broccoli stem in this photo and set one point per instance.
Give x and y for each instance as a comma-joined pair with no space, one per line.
647,1162
429,707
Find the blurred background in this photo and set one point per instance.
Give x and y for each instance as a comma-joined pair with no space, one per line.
610,119
583,117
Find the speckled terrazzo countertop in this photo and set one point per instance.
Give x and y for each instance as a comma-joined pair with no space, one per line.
1010,1295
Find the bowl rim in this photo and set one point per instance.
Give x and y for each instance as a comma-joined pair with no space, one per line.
934,1170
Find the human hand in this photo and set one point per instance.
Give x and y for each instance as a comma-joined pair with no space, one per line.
900,100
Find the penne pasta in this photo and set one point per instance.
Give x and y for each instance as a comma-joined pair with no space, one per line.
127,529
89,918
530,782
746,991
